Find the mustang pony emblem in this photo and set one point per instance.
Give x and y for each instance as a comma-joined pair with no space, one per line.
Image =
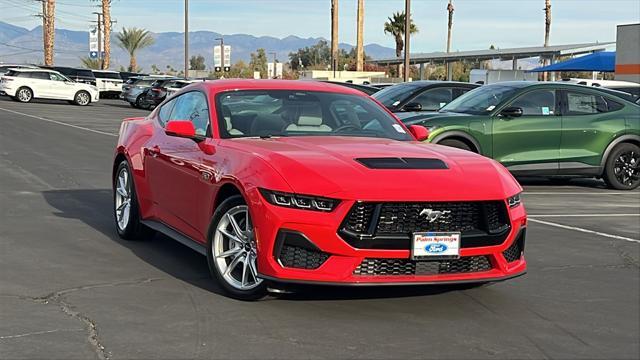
433,215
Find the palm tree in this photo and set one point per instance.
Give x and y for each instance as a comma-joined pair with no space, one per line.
334,34
395,27
547,30
132,40
106,16
90,63
49,8
360,37
449,25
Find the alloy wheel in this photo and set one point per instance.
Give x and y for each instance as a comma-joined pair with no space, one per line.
123,199
82,98
234,249
626,168
24,95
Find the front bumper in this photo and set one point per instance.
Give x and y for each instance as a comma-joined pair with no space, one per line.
343,264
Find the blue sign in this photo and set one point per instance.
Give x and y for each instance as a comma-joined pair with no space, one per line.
93,54
435,248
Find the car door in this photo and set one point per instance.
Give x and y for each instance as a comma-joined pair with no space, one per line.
61,87
177,173
589,123
531,142
39,81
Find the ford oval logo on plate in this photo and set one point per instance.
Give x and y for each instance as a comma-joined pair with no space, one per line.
435,248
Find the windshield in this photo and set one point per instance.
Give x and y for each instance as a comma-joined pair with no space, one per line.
393,95
481,100
304,113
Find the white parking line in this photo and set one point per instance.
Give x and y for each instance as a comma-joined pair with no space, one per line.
60,123
581,215
585,230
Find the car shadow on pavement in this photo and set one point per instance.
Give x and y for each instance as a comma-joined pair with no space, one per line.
93,207
591,183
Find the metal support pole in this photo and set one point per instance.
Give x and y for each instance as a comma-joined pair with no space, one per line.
407,39
421,71
275,71
186,38
99,38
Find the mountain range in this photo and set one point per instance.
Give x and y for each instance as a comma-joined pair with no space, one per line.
21,45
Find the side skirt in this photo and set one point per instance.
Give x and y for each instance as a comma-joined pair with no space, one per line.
175,235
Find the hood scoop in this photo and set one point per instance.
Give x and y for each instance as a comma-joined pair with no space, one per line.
403,163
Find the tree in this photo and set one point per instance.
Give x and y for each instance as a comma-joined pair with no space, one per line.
259,62
395,27
334,34
197,63
155,69
547,29
49,30
132,40
106,27
360,37
449,25
90,63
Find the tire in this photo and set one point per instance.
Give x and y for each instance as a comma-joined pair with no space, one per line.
82,98
24,94
622,169
138,103
456,144
223,252
124,194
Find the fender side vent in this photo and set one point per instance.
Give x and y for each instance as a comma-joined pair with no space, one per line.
403,163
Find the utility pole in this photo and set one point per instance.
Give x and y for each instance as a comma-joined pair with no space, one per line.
186,39
360,37
275,71
221,54
407,34
334,36
99,38
48,30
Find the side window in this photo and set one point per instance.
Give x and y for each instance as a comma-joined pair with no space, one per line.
193,106
537,103
434,99
164,114
40,75
56,77
585,104
612,105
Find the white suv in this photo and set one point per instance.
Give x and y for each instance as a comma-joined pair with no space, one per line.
26,84
109,83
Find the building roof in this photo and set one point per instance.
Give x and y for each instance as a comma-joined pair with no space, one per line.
600,61
502,54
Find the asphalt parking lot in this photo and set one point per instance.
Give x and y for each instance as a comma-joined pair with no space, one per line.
71,289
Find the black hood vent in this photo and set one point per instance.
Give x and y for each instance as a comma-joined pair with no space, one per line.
403,163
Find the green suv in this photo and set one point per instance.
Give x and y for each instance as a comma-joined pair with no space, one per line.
544,129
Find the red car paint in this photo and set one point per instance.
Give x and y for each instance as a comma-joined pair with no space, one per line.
178,183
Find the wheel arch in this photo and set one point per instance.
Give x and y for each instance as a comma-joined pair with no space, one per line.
460,136
226,190
627,138
85,91
33,92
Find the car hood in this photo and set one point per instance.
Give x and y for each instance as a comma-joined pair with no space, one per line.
326,166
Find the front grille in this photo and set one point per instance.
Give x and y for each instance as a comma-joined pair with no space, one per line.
391,267
301,258
514,252
391,225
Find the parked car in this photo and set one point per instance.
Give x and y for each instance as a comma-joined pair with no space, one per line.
176,85
76,74
421,95
544,129
125,75
5,67
155,94
26,84
624,86
367,89
137,95
109,83
133,88
284,195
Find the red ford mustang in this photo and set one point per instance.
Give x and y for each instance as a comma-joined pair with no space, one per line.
305,182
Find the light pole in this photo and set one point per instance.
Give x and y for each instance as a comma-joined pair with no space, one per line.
221,54
186,39
407,32
275,71
99,38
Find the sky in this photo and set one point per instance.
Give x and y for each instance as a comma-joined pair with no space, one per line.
477,23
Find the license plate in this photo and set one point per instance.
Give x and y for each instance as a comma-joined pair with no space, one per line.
435,245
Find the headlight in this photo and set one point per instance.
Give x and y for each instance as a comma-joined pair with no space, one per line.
514,201
297,201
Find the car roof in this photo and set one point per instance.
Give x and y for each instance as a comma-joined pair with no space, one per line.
34,69
105,71
251,84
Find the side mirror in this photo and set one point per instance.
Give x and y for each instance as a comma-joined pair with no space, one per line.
419,132
413,106
180,128
512,112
